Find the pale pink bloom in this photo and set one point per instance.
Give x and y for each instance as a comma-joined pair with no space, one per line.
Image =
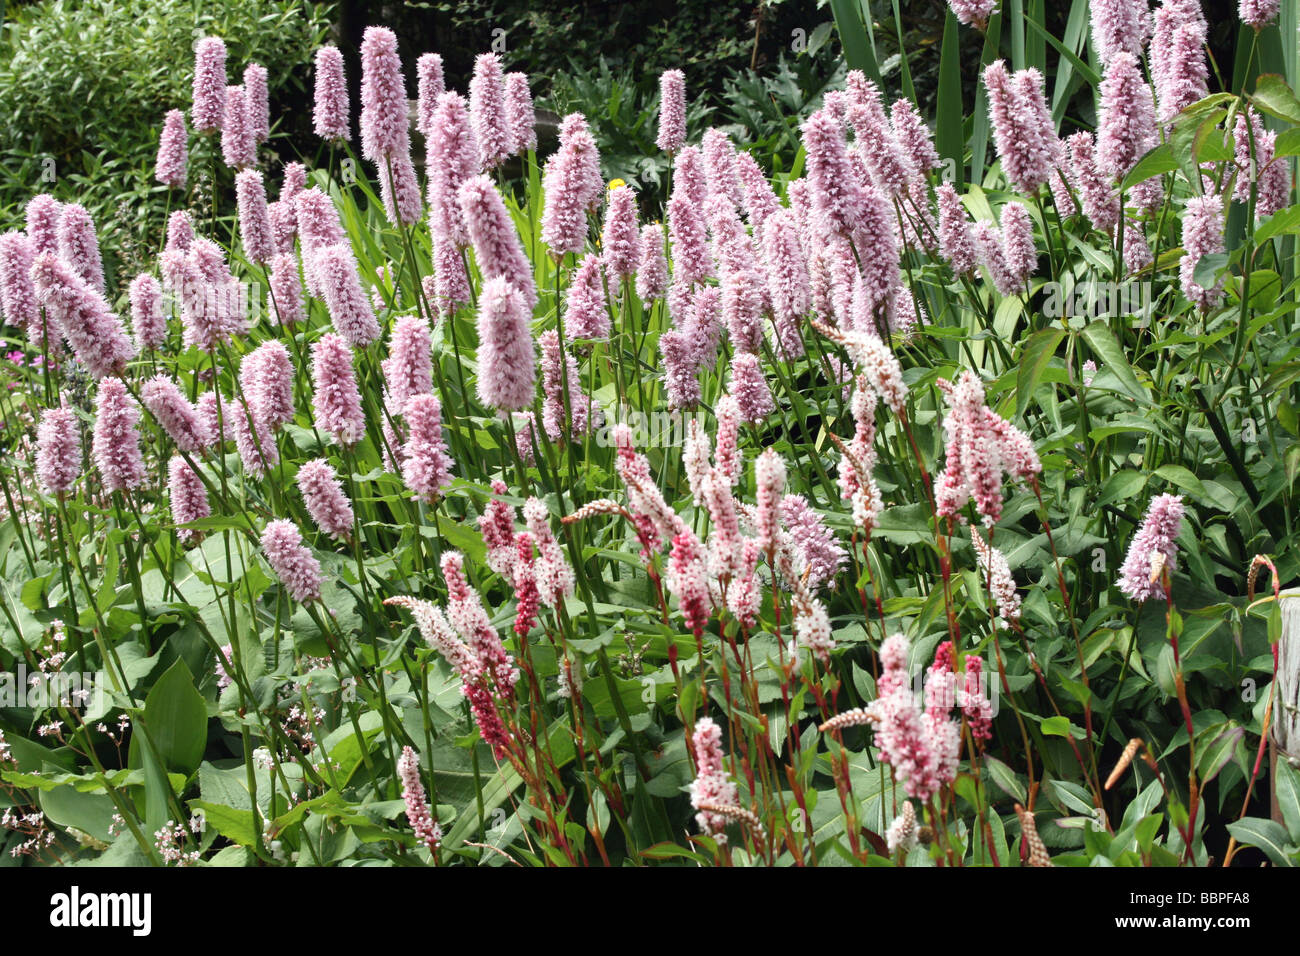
465,610
326,502
655,519
266,379
726,453
79,245
996,573
881,153
566,186
209,91
17,293
408,370
173,153
429,86
750,389
680,369
813,541
1258,13
838,201
581,412
1154,550
554,576
336,400
1019,254
95,334
330,110
620,242
1203,225
254,221
418,811
42,216
1022,129
914,137
711,786
175,415
238,145
452,160
384,122
291,560
487,109
720,166
1119,26
399,189
769,485
689,242
58,450
450,281
286,290
652,268
585,313
520,115
687,578
426,466
1126,125
742,310
973,12
498,249
672,111
180,231
507,362
188,497
1182,74
956,244
147,319
760,202
1100,200
116,443
497,525
257,103
283,221
689,178
336,272
254,441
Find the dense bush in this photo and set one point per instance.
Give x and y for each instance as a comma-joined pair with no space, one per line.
860,516
85,86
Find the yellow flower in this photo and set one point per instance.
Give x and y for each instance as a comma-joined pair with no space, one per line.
615,183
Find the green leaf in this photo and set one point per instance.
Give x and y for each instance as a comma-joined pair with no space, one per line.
1157,162
1006,779
1265,834
177,719
1287,788
1062,727
1281,223
1034,356
1274,97
1103,344
234,825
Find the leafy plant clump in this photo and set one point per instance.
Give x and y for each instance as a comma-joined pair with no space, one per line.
829,512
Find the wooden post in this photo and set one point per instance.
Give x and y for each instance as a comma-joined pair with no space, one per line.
1284,738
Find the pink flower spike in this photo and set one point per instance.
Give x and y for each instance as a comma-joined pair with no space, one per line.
323,495
711,786
507,362
257,102
266,379
408,370
147,318
115,446
418,811
1153,553
173,152
17,294
187,496
89,325
254,221
209,93
585,313
672,111
620,242
652,268
520,115
238,145
487,109
79,245
330,113
498,249
1258,14
337,275
42,217
292,561
286,290
429,86
175,415
384,120
750,388
426,466
58,450
336,400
